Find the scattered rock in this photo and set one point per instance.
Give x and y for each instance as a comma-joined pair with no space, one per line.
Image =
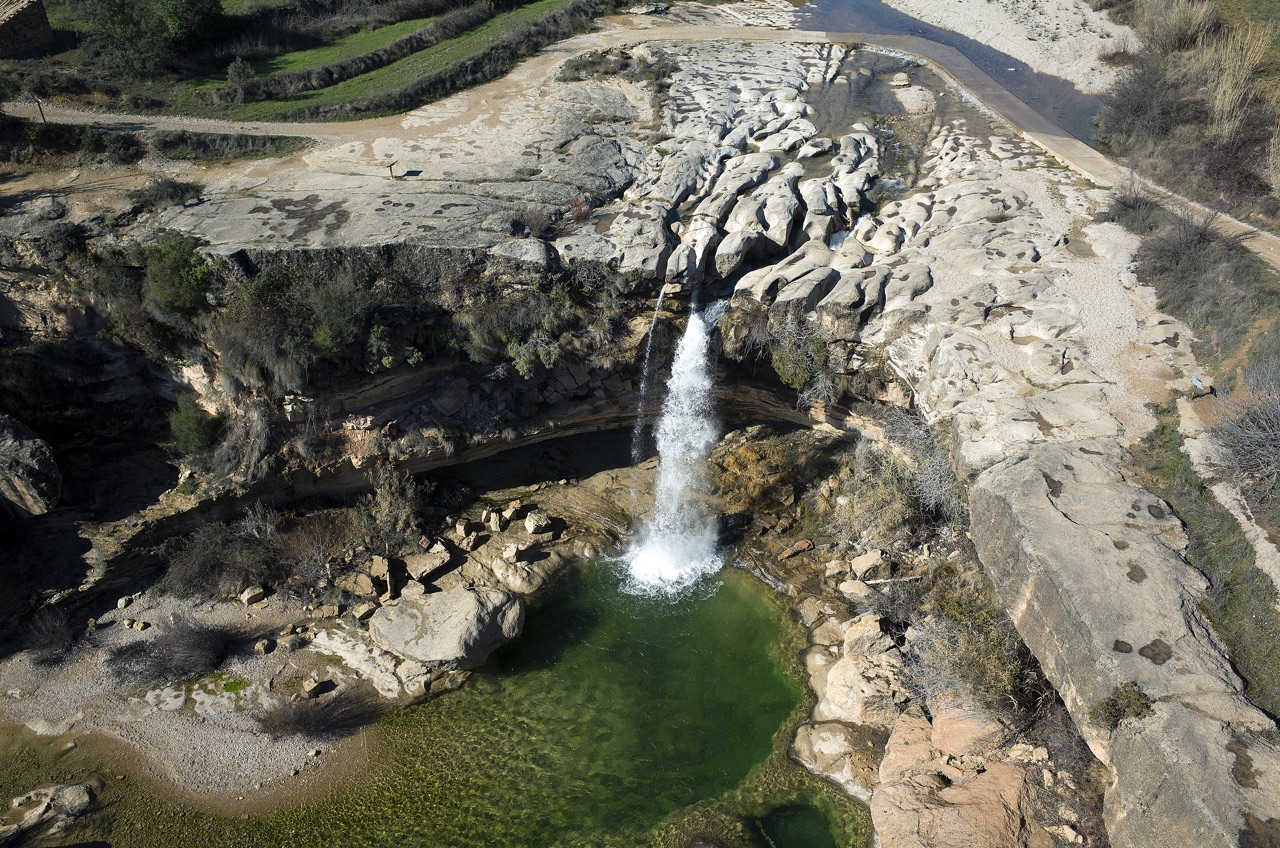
861,565
313,687
123,602
358,584
362,612
380,568
421,565
537,522
327,611
264,646
798,548
252,595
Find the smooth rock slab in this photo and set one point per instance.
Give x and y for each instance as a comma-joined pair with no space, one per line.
453,629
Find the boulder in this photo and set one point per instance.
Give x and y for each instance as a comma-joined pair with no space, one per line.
453,629
537,522
252,595
359,583
861,691
30,482
420,565
839,753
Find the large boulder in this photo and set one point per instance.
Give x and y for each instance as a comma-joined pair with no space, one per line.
453,629
30,483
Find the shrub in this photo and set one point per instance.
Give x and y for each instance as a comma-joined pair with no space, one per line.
392,511
239,73
1248,429
49,636
1125,701
534,223
1166,26
244,453
176,276
180,651
219,560
1233,59
323,718
1140,106
164,192
193,430
967,646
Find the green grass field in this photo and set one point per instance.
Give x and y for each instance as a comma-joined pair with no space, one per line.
387,79
347,47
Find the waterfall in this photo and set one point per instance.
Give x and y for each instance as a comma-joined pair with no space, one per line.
678,545
637,432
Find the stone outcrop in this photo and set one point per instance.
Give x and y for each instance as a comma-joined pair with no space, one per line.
30,482
46,812
453,629
1030,346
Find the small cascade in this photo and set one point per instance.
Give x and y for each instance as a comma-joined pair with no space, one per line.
678,545
637,432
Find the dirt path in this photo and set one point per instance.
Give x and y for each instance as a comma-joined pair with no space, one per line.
472,104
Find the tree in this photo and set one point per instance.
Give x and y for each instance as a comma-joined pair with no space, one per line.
177,277
239,73
139,36
193,430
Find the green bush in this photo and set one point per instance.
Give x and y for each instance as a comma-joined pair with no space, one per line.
193,430
176,276
1127,701
164,192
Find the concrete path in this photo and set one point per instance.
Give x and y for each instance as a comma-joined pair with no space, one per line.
950,63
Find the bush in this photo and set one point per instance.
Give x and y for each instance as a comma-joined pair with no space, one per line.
1166,26
164,192
322,718
392,511
1248,429
49,636
966,646
220,560
176,276
1126,701
193,430
180,651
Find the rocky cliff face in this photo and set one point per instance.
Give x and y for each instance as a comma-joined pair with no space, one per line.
1024,336
30,483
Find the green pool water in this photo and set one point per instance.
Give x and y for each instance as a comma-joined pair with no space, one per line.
611,712
615,720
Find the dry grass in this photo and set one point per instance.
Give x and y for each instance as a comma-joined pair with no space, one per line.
1167,26
1232,60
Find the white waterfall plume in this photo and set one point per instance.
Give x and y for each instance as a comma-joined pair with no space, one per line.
678,545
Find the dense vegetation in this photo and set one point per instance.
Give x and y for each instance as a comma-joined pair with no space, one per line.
292,59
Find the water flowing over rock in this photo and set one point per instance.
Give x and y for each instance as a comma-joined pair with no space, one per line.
678,544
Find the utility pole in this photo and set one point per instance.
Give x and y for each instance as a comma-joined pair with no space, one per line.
40,106
390,170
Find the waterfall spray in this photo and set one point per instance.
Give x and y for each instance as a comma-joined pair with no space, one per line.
679,543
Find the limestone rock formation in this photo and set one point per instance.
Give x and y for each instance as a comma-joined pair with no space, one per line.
30,482
453,629
46,811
